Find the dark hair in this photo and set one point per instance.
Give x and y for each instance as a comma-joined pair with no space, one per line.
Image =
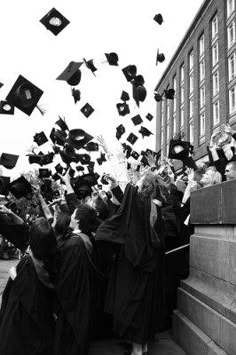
87,218
62,225
101,208
42,240
150,187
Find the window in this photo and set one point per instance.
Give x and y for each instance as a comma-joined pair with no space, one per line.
231,34
232,65
215,80
191,107
201,45
182,117
232,100
215,56
202,96
182,94
191,131
202,70
230,7
216,113
191,60
174,125
214,27
182,73
202,124
190,83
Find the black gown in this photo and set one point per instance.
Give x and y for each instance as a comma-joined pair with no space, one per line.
26,316
136,290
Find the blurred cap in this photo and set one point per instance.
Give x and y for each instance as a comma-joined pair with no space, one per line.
135,155
112,58
159,57
102,159
138,80
58,137
169,94
8,160
123,108
4,185
92,147
78,138
62,124
79,168
76,94
157,97
120,130
84,159
44,173
149,117
158,18
54,21
72,73
124,96
87,110
127,149
24,95
137,120
179,149
129,72
104,180
6,108
139,93
132,138
59,169
68,154
20,187
145,132
90,65
47,158
41,159
90,166
40,138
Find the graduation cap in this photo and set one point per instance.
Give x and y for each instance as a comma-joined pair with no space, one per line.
127,149
123,109
6,108
138,80
137,120
112,58
76,94
179,149
159,57
57,136
169,94
78,138
47,158
40,138
90,65
68,154
24,95
92,147
41,159
157,97
101,159
90,166
8,160
149,117
145,132
87,110
139,93
62,124
59,169
20,187
84,159
71,172
4,185
120,130
158,18
124,96
132,138
54,21
79,168
135,155
44,173
130,72
72,73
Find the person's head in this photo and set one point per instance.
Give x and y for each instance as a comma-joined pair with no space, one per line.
230,171
149,186
99,205
62,224
211,177
84,218
198,174
42,240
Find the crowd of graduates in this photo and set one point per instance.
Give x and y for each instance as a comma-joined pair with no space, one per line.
105,260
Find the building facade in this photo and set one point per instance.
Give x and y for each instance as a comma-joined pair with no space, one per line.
203,73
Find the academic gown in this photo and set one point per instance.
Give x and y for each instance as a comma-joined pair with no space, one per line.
26,316
136,290
77,294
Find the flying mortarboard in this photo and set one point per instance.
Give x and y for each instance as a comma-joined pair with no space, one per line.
158,18
24,95
124,96
20,187
149,117
101,159
90,167
40,138
6,108
84,159
62,124
123,109
145,132
4,185
92,147
127,149
57,136
72,73
90,65
54,21
139,93
179,149
76,94
79,168
78,138
137,120
112,58
59,169
169,94
138,80
68,154
8,160
120,130
159,57
44,173
130,72
157,97
87,110
132,138
134,154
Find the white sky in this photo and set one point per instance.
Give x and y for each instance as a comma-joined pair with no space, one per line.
96,26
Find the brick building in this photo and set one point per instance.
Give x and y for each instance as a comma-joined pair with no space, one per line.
203,73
